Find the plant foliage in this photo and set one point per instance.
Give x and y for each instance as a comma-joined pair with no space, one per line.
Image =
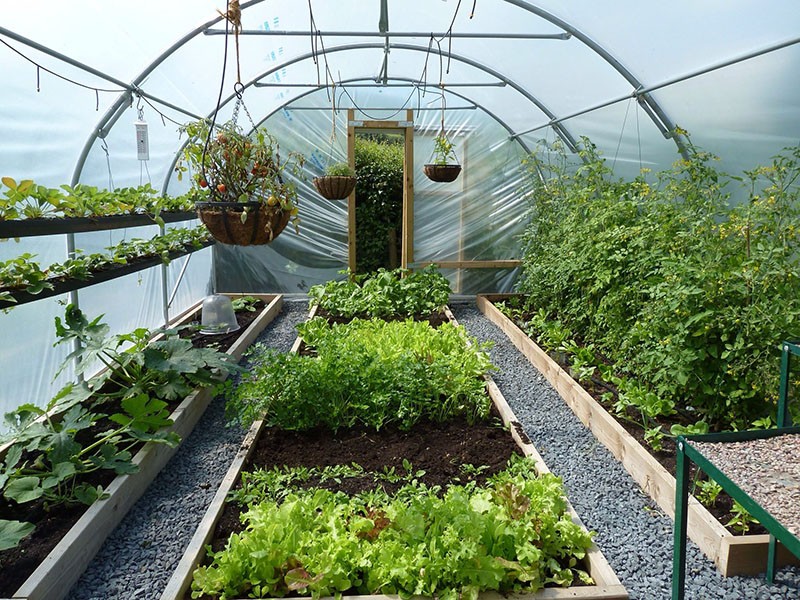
96,424
512,535
24,273
385,293
366,372
26,200
379,202
689,294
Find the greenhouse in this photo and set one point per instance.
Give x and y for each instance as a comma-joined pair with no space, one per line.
446,299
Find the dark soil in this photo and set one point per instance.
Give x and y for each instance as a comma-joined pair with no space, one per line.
435,319
721,510
17,564
439,449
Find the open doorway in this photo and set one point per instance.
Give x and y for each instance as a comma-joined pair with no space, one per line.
379,155
380,211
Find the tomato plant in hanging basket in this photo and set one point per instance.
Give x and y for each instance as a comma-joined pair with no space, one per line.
242,195
338,182
442,169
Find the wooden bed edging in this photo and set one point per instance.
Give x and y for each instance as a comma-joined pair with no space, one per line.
732,555
607,585
62,568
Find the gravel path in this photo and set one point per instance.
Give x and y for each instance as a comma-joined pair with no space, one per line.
137,560
632,532
767,470
634,535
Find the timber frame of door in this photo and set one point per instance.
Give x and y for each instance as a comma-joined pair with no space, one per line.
407,251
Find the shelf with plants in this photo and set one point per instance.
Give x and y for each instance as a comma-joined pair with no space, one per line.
23,280
155,392
667,302
378,413
29,209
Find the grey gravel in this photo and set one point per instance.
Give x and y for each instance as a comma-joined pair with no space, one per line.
632,532
768,470
138,558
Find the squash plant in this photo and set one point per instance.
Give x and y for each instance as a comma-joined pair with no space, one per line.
97,424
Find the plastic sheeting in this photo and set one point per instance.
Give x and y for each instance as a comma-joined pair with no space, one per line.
477,217
564,87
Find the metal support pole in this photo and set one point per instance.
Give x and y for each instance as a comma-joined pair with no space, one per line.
164,299
681,508
400,34
374,84
74,300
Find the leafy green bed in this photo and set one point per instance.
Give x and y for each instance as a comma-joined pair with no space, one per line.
513,534
384,293
370,372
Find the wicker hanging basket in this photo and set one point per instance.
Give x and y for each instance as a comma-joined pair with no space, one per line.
442,173
225,223
334,187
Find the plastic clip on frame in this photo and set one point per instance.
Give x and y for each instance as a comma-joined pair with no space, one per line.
688,453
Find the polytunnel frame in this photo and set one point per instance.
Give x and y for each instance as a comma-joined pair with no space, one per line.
651,106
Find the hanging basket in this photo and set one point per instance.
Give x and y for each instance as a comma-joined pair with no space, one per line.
224,221
442,173
334,187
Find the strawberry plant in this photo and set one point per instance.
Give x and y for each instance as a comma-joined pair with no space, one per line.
26,200
23,273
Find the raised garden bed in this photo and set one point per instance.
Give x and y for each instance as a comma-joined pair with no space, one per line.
261,439
732,554
78,544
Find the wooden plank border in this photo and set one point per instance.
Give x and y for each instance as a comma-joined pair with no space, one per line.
56,575
607,585
733,555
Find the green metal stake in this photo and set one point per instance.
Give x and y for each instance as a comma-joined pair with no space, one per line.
681,507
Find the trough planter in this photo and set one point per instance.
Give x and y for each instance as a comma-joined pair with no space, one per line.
59,226
607,585
64,286
56,575
732,555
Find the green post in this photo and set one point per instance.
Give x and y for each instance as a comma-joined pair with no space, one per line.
783,395
681,507
772,558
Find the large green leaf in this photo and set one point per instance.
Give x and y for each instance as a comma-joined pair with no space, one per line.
12,532
24,489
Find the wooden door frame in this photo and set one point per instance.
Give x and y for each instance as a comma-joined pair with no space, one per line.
407,126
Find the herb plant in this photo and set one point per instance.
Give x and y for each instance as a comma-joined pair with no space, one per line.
512,535
340,170
366,372
384,293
